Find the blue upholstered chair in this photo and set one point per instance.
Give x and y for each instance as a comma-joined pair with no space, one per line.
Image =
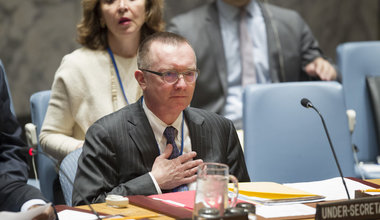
285,142
69,166
356,60
46,169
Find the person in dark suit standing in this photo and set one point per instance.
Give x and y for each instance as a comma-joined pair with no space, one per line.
156,144
280,45
15,194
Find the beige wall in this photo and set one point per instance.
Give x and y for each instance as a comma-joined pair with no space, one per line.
36,34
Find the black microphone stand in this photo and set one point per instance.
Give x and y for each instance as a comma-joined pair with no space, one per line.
306,103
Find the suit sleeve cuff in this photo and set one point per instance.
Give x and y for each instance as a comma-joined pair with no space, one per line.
155,183
31,203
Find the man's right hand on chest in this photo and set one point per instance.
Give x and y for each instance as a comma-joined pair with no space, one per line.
175,172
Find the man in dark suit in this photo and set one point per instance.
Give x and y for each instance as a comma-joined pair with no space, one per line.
15,194
129,152
283,50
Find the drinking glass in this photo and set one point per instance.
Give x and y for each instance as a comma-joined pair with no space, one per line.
211,194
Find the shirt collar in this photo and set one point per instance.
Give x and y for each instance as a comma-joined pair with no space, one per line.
158,126
231,12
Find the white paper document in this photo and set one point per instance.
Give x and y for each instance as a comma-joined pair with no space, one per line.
71,214
332,189
274,211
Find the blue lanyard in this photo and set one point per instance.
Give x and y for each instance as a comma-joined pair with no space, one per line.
182,134
117,73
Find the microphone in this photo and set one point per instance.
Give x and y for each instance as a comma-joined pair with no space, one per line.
32,152
307,104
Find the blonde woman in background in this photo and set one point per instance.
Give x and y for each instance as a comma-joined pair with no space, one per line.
98,78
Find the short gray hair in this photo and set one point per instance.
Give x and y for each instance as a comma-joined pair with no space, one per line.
143,57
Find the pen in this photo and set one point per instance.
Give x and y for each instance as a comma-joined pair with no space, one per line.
371,190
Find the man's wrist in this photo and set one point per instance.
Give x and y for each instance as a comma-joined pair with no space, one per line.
158,189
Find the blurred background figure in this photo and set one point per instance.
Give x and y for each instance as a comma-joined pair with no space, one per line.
245,42
98,78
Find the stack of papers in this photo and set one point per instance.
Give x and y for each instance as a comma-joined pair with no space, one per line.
278,200
268,193
332,189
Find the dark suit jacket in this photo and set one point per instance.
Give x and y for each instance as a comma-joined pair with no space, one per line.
120,149
14,191
297,47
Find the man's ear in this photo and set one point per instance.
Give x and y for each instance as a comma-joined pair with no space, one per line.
140,77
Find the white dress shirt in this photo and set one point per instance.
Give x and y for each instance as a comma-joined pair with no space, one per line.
158,127
229,23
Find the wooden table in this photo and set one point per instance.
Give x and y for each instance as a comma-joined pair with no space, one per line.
375,181
132,210
138,208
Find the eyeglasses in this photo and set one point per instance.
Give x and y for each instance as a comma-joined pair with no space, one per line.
172,76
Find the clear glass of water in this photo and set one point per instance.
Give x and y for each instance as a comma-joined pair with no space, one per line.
212,190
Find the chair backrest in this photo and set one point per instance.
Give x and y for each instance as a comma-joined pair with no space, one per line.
356,60
39,102
69,166
2,69
285,142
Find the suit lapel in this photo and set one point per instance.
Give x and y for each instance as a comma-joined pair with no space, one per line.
142,134
198,135
213,30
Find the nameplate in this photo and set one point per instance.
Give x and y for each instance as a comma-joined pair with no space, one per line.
360,208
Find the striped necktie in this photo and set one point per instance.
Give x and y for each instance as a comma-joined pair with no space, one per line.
246,51
170,133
